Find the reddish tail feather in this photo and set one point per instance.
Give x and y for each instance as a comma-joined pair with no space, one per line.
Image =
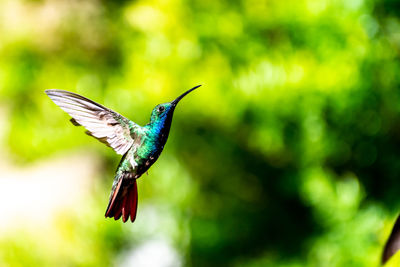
123,201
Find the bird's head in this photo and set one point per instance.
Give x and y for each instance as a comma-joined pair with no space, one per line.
162,112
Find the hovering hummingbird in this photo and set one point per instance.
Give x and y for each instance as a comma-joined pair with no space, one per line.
140,145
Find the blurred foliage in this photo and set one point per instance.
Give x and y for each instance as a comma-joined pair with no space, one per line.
289,155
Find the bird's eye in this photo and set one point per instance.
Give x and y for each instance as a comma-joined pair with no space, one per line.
161,109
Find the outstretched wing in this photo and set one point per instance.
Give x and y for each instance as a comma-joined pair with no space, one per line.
102,123
393,243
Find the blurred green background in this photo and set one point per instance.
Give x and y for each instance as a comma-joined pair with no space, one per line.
288,155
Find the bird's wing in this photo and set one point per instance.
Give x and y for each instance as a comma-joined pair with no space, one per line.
102,123
393,243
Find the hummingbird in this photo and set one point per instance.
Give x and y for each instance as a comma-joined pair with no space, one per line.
140,146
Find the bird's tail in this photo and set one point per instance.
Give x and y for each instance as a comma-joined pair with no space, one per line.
123,200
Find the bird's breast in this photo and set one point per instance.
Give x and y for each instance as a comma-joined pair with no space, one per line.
150,149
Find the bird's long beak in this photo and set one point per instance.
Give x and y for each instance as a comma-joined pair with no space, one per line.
175,102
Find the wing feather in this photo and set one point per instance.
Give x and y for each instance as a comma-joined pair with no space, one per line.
392,245
102,123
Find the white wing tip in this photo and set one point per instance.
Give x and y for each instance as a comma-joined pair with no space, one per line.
55,91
